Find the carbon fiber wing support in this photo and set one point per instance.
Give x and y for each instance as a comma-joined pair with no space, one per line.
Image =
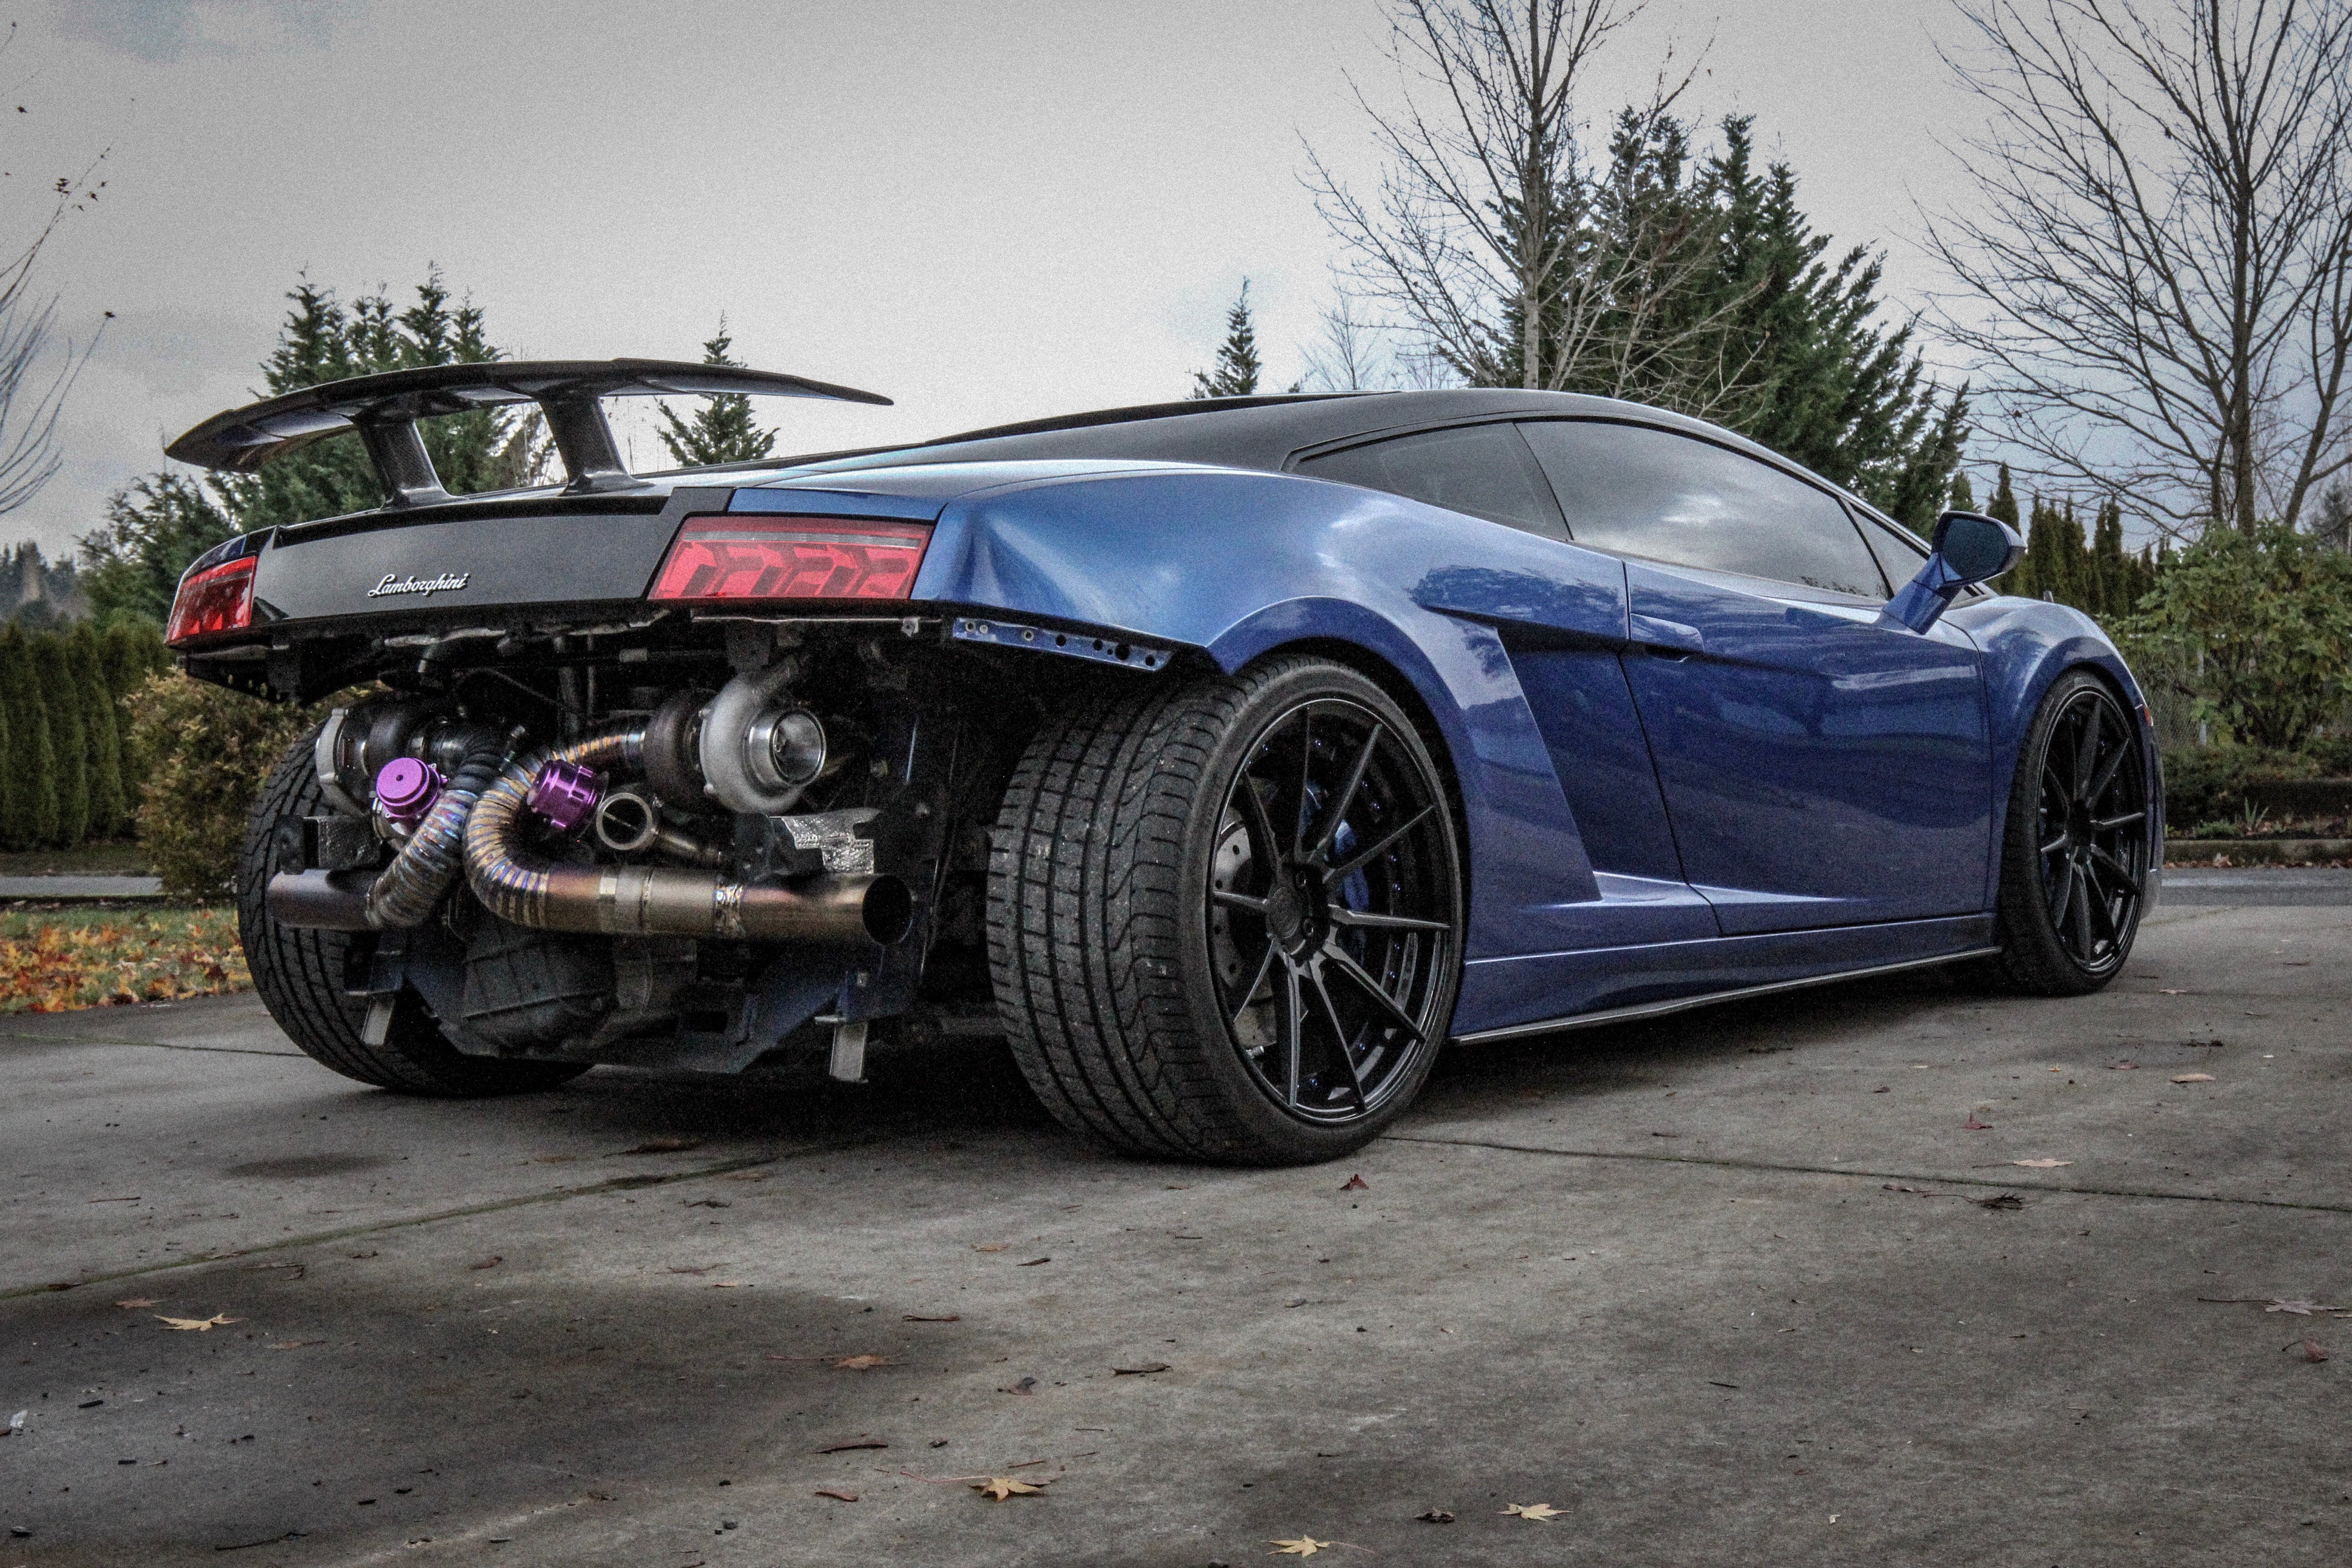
383,409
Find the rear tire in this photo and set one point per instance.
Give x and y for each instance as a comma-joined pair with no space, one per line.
1225,918
2074,862
299,973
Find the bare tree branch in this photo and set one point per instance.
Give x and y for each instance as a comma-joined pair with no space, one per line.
2156,276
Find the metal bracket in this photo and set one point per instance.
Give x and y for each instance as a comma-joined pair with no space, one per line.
1077,645
848,1063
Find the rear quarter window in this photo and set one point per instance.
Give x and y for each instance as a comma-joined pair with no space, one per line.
1482,469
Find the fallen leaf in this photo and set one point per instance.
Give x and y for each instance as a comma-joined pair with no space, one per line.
837,1495
1973,1125
2167,992
2300,1309
2004,1201
2041,1164
1304,1546
2123,1067
1435,1516
491,1262
709,1204
863,1362
845,1447
2311,1351
1354,1184
1033,1263
1026,1385
1539,1512
728,1285
664,1146
136,1302
198,1325
998,1488
1138,1370
706,1268
990,1246
2192,1077
950,1318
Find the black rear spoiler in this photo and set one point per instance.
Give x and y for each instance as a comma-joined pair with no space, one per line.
385,410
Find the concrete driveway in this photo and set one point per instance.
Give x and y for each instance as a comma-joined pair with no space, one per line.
1770,1284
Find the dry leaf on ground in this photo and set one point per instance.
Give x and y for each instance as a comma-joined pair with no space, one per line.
837,1495
1435,1516
863,1362
1144,1371
1973,1125
2311,1351
136,1302
1304,1546
2192,1077
859,1443
1354,1184
990,1246
1539,1512
2003,1200
2041,1164
1033,1263
198,1325
998,1488
918,1318
485,1263
1026,1385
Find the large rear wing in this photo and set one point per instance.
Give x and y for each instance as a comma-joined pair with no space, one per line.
385,409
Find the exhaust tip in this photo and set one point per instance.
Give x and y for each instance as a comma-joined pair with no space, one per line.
888,910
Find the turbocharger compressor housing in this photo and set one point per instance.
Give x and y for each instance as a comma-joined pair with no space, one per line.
759,748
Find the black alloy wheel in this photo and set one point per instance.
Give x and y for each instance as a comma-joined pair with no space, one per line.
1225,914
2075,877
1333,911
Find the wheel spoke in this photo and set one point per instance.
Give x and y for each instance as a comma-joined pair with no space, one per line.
2086,744
2107,773
2054,846
1249,992
1371,987
1233,900
2079,908
1337,813
1306,774
1340,1035
2109,824
2096,902
1293,1009
1363,857
1365,920
2064,894
2121,871
1259,821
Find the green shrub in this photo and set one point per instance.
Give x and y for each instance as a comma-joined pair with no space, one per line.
2208,784
206,752
2255,629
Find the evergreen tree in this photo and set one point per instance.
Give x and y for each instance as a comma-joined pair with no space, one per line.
133,650
723,430
2004,500
103,740
157,525
1238,366
1963,496
61,695
32,761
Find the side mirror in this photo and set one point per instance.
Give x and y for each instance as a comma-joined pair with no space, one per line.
1968,548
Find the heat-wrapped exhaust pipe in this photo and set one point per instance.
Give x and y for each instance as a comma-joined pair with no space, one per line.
657,900
405,894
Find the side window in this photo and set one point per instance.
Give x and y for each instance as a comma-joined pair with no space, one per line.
1900,553
1482,469
1634,490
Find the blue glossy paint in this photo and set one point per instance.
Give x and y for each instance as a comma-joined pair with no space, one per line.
1820,767
1670,785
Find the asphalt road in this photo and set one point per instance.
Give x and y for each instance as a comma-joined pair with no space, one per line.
1746,1285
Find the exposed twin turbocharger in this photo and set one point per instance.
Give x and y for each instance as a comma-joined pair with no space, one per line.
461,797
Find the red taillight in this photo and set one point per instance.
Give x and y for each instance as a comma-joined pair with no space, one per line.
217,599
740,557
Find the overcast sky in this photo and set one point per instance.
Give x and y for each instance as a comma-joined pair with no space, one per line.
988,211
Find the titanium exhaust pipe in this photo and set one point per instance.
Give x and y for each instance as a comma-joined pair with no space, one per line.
659,900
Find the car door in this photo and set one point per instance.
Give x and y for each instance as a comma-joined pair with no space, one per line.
1821,766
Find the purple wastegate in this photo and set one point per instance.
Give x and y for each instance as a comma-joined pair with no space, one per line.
405,788
563,794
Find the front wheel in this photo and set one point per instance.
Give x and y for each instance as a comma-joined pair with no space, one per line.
1225,920
2074,859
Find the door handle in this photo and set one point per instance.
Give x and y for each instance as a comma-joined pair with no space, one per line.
1670,637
